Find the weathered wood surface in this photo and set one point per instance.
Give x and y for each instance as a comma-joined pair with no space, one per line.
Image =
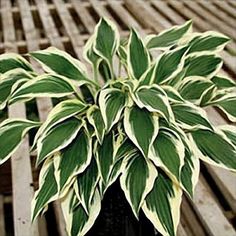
27,25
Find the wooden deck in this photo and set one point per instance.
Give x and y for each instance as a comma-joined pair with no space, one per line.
27,25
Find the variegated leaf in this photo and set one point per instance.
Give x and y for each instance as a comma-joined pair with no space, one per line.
172,94
223,82
192,88
10,61
169,37
9,82
207,41
137,180
61,63
106,39
75,158
59,113
215,149
111,103
190,171
167,152
105,157
134,119
191,117
227,105
12,132
154,99
43,86
230,132
57,138
78,222
137,55
169,65
162,205
47,191
205,65
95,119
85,184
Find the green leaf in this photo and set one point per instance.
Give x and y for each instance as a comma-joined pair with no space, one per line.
95,119
137,55
10,61
192,88
208,41
106,39
111,103
12,132
134,119
78,222
47,191
162,205
206,65
61,63
215,149
154,99
105,157
167,152
227,105
43,86
223,82
191,117
9,82
169,37
85,184
61,135
169,65
74,159
137,180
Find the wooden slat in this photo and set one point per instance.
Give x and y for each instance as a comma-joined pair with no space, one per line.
55,40
225,180
202,26
85,17
44,104
145,16
230,61
21,166
2,220
70,27
140,12
226,7
210,213
230,31
48,24
102,11
42,226
198,193
124,15
193,224
166,10
198,21
219,13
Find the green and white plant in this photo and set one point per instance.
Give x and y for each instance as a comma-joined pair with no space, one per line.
141,121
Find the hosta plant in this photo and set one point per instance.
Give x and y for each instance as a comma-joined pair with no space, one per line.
136,117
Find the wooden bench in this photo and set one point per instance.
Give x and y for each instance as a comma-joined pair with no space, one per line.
36,24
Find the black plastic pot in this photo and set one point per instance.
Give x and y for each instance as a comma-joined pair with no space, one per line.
116,217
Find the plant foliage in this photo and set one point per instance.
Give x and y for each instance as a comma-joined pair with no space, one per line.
141,121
